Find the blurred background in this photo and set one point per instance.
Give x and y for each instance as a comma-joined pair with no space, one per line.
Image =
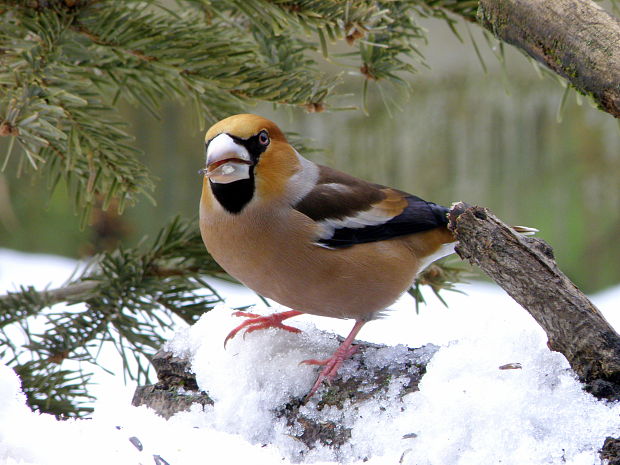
497,135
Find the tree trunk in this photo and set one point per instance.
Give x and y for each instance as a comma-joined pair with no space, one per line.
525,268
577,39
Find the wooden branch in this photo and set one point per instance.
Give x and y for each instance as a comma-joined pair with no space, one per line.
525,268
577,39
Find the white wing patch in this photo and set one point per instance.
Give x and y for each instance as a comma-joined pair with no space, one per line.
337,187
371,217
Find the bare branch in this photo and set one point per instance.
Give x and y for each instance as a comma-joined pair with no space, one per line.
525,268
576,39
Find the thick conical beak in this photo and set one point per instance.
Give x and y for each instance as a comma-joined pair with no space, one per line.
227,161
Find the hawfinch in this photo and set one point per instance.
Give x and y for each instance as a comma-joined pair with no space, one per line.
310,237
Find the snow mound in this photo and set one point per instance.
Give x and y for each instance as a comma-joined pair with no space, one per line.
468,410
254,378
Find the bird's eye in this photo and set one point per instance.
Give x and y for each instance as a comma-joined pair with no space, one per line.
263,138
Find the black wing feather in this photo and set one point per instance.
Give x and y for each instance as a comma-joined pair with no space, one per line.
418,216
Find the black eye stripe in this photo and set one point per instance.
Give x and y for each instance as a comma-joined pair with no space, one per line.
252,144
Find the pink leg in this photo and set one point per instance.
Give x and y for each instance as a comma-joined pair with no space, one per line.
257,322
333,363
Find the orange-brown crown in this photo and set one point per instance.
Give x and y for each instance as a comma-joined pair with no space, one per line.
245,125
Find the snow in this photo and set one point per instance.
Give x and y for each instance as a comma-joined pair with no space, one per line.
468,411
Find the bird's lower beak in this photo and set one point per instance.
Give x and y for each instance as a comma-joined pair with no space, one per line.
228,170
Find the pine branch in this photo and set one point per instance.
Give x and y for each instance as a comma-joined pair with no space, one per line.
63,128
64,66
63,69
440,276
130,297
55,391
442,9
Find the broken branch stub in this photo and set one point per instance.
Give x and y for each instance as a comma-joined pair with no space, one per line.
525,268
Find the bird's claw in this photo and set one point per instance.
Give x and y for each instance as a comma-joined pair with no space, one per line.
256,322
331,366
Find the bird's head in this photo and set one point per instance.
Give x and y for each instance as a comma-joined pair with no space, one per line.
247,156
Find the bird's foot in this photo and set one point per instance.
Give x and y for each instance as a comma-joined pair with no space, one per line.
332,364
256,322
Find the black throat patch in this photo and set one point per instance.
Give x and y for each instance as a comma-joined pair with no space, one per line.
235,195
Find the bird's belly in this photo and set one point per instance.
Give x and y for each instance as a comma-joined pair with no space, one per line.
332,287
346,283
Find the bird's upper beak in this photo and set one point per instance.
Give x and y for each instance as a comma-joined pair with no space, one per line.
227,161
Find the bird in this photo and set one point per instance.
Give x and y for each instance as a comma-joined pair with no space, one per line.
309,237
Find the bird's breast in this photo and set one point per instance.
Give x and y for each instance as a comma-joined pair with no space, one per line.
273,252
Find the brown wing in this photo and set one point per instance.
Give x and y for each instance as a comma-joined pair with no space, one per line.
352,211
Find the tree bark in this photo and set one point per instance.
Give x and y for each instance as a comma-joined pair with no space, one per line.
611,451
576,39
525,268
